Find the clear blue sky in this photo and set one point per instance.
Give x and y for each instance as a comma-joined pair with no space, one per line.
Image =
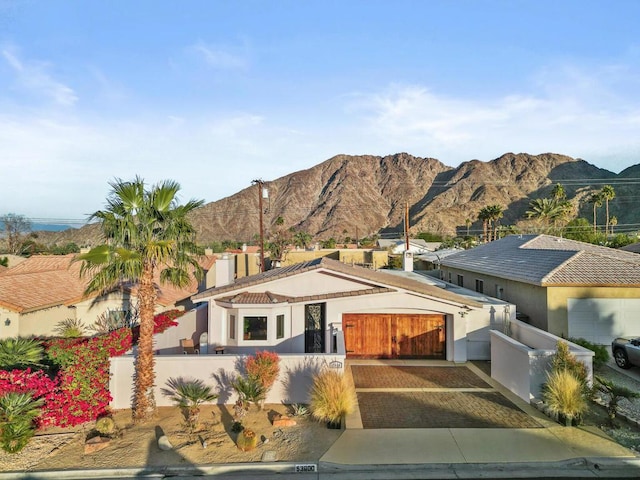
214,94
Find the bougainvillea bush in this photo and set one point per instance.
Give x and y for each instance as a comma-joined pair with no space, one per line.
76,389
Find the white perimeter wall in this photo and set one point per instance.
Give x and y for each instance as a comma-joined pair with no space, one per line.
522,360
292,386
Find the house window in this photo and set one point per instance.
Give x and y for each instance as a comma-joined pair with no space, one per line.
460,281
479,286
255,328
280,326
232,327
450,277
499,292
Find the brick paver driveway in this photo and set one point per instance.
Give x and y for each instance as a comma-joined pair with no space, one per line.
432,397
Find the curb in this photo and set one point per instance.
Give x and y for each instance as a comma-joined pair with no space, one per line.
592,467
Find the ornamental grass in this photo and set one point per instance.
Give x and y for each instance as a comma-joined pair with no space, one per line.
332,396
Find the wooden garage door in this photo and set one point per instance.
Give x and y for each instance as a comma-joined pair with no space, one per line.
369,335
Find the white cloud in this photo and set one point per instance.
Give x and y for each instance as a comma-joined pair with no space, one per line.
218,57
568,110
34,77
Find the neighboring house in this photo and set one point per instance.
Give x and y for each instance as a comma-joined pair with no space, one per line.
416,245
44,290
568,288
383,314
432,260
633,248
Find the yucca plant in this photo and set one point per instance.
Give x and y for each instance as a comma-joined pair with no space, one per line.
17,413
20,353
564,395
332,397
249,390
615,394
70,328
189,394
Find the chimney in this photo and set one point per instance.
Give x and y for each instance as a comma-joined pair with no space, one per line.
407,261
225,270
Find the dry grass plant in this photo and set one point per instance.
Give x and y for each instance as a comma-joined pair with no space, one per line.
564,394
332,396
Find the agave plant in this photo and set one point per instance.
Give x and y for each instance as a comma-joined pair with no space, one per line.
20,353
189,394
70,328
17,413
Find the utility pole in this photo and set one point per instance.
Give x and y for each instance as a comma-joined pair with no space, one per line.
259,182
406,227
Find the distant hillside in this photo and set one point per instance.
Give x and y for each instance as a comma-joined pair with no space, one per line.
362,195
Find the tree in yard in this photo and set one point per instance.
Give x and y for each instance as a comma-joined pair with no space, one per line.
607,193
613,221
278,242
145,231
596,200
16,227
483,216
302,239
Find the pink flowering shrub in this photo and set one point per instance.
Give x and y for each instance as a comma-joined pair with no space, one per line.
77,391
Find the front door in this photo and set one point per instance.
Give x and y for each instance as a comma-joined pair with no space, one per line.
379,335
314,328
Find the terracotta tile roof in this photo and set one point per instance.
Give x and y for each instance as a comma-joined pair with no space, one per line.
549,261
41,282
376,279
45,281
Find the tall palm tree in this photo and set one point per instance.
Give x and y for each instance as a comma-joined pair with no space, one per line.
558,193
596,200
484,215
495,214
145,231
607,193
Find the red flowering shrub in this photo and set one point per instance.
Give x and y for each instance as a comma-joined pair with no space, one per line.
161,322
79,391
264,367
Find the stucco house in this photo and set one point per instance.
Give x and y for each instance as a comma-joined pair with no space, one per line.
416,245
568,288
380,314
43,290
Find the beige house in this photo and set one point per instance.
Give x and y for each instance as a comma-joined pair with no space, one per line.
43,290
568,288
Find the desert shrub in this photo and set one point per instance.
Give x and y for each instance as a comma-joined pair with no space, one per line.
189,394
249,390
17,414
614,393
332,397
299,410
564,394
601,356
20,353
565,360
264,366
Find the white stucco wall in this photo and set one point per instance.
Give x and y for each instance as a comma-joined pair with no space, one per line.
292,386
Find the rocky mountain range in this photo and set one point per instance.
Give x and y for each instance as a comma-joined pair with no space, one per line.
362,195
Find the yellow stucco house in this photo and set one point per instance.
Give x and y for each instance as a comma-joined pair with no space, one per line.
568,288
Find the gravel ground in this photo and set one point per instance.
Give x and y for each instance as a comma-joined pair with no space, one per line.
626,433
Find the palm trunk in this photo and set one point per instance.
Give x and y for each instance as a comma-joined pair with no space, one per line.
144,404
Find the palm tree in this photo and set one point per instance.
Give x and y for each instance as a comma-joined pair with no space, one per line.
596,199
495,213
613,222
145,231
558,193
484,215
607,193
548,210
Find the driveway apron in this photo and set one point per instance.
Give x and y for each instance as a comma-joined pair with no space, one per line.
431,396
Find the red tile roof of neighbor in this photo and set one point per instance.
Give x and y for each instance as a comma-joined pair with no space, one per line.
44,281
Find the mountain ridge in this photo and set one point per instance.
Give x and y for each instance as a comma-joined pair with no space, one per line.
358,195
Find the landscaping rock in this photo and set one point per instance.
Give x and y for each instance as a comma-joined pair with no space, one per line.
282,421
96,444
269,456
164,443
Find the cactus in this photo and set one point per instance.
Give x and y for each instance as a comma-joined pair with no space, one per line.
247,440
105,426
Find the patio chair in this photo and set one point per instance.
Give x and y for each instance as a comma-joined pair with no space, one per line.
188,347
